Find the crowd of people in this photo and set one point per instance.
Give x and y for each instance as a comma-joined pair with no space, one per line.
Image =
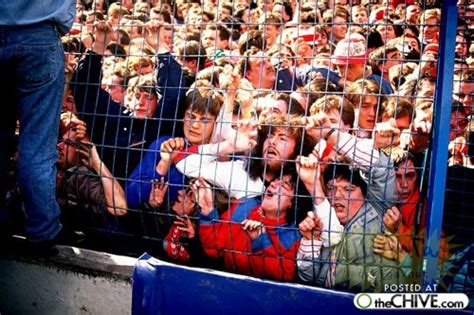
285,140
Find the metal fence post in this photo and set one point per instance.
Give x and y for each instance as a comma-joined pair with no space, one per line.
440,140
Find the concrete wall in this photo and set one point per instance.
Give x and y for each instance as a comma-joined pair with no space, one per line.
74,282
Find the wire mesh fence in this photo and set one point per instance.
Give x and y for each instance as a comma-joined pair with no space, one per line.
287,140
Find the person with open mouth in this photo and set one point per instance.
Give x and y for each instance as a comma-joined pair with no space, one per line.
359,205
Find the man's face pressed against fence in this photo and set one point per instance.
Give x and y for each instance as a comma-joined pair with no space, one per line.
114,86
359,15
271,33
339,28
458,124
346,198
386,31
393,59
429,30
464,93
166,38
406,180
209,38
67,153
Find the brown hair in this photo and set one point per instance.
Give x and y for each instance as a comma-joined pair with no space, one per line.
294,124
221,30
202,98
144,83
378,57
398,107
270,19
360,88
193,50
117,9
166,15
467,75
337,103
244,65
317,88
329,15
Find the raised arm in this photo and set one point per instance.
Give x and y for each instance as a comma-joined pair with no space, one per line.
310,174
229,81
310,247
211,231
377,168
114,194
201,161
90,98
156,164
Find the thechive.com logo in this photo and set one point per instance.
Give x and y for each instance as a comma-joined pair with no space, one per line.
371,301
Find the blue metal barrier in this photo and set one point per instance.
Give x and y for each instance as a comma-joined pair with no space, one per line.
164,288
440,139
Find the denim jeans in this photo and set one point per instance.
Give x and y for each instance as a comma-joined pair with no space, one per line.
31,89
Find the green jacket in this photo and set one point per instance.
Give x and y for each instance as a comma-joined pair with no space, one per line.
357,267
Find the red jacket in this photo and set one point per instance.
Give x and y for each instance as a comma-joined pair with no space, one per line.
408,236
272,255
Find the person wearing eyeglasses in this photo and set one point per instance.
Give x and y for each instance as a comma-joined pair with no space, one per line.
202,108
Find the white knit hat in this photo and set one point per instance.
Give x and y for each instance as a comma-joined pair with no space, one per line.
349,51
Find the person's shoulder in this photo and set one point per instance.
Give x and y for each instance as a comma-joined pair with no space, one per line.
79,174
242,207
284,74
252,201
288,235
367,217
166,57
80,169
377,78
160,140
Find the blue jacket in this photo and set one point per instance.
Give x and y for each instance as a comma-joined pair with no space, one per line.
138,186
120,137
285,82
171,87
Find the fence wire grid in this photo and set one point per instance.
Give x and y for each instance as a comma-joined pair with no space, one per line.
287,140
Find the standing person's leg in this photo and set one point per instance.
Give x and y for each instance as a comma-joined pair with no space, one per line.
7,145
39,79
